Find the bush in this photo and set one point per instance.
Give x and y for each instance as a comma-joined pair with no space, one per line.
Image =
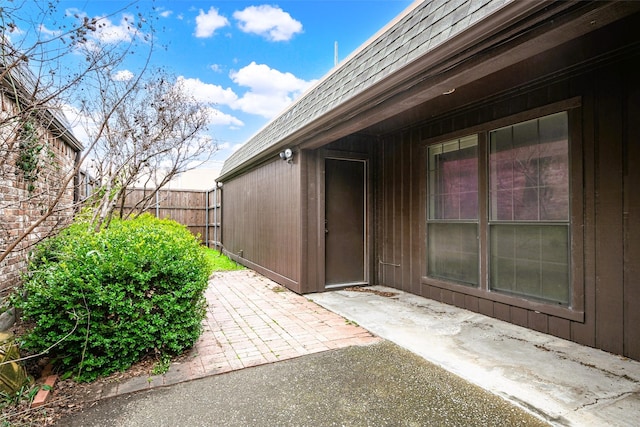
104,300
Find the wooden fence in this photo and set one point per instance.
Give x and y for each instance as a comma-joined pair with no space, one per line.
198,210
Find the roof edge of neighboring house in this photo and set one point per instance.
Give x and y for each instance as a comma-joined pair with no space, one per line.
475,33
63,129
58,122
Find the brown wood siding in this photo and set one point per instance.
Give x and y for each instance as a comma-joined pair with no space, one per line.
400,213
609,248
631,157
261,220
584,332
311,228
609,227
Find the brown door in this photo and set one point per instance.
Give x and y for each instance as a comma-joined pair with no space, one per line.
345,222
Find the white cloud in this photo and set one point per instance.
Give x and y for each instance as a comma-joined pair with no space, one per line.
124,31
212,95
47,32
107,31
262,78
216,67
122,76
208,93
262,104
218,118
208,23
166,13
270,90
270,22
81,123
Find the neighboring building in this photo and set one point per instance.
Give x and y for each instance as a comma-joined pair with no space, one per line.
480,153
38,152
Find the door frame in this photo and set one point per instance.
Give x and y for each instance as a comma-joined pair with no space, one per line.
368,253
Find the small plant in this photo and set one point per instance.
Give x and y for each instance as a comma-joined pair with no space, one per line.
102,301
162,365
26,393
29,161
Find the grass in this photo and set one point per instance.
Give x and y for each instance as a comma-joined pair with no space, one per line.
220,262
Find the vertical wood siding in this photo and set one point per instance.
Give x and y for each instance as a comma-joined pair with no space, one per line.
261,220
610,248
399,227
631,218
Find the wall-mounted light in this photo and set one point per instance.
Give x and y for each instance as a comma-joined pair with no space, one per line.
287,155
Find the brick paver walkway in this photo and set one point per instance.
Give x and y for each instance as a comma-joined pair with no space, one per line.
252,320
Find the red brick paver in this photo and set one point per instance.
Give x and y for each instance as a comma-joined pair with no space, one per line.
251,321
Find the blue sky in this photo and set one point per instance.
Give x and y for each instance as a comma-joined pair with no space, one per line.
250,59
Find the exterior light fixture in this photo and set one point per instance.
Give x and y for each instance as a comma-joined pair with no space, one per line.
287,155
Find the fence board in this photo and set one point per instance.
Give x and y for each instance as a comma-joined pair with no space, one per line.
198,210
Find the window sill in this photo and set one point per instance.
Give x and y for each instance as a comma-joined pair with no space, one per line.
549,309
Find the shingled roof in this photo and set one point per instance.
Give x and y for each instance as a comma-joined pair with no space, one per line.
419,29
18,80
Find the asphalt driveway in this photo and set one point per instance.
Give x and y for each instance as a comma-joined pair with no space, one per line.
369,385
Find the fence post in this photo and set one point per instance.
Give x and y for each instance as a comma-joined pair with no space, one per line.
215,217
206,221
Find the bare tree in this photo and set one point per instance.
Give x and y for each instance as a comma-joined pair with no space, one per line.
157,132
42,70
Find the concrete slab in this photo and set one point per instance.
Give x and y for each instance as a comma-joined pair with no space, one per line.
559,381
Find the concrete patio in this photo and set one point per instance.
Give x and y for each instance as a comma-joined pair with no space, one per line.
560,381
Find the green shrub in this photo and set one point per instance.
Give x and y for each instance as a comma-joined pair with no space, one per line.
104,300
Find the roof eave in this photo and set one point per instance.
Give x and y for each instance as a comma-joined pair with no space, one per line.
334,124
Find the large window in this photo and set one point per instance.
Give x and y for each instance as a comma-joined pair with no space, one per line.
529,209
453,211
526,226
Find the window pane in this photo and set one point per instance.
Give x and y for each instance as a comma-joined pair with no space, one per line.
529,171
453,252
453,179
530,260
